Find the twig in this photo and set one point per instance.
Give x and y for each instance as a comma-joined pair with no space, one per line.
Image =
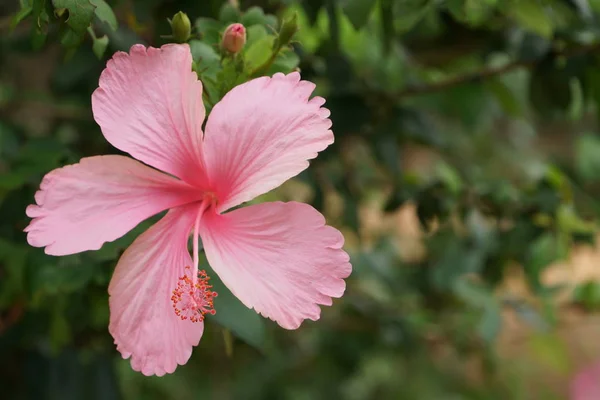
491,72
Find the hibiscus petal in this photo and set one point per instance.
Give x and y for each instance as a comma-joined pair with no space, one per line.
82,206
149,104
278,258
261,134
142,320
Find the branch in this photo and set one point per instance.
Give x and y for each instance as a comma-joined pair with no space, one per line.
491,72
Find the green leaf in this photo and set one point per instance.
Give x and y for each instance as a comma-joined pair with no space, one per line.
231,314
569,222
287,60
588,295
209,30
271,21
491,322
99,46
105,13
260,51
254,33
409,13
479,297
477,11
253,16
20,16
587,161
81,13
531,15
41,11
449,176
358,11
206,60
229,14
202,53
541,253
70,38
505,97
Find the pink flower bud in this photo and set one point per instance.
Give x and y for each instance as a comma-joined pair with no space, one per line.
234,38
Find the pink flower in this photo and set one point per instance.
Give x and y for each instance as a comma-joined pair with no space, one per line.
278,258
586,384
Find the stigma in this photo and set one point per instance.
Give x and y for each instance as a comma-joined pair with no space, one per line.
193,300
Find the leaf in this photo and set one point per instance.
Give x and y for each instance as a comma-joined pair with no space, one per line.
531,15
253,16
287,60
105,13
20,16
209,30
231,314
358,11
254,33
272,22
587,162
541,253
203,54
99,46
588,295
260,51
206,64
41,11
450,177
480,297
229,14
70,38
569,222
491,322
477,11
505,97
81,13
409,13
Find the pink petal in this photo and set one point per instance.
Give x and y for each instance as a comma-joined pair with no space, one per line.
82,206
261,134
149,104
142,320
278,258
586,384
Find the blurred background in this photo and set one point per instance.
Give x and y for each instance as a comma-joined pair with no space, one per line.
465,177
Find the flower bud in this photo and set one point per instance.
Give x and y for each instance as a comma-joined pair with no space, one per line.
181,27
234,38
289,27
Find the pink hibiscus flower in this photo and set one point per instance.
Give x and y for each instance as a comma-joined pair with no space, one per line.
278,258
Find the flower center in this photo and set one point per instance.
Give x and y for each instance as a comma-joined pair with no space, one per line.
192,300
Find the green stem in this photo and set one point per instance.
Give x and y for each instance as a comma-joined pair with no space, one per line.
259,71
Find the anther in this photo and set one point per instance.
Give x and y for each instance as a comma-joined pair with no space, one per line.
193,300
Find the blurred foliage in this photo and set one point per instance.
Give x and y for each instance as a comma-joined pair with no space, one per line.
479,115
